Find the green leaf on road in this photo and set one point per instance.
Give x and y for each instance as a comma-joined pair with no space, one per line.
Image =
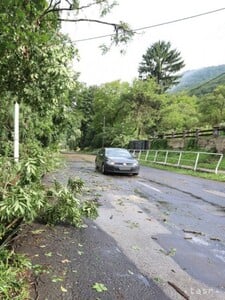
99,287
135,248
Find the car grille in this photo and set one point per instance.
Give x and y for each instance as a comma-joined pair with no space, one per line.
124,164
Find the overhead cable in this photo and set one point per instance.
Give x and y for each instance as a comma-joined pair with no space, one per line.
155,25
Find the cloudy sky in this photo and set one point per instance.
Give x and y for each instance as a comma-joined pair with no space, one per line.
200,40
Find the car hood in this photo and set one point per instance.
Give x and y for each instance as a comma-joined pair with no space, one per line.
122,159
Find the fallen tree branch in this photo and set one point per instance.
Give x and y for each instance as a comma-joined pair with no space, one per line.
192,231
182,293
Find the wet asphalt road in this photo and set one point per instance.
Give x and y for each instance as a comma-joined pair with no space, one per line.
196,207
159,235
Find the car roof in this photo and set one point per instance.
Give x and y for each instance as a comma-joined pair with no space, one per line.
114,148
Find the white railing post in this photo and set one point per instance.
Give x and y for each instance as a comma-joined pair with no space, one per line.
146,156
196,161
166,156
218,164
16,132
155,157
179,159
139,155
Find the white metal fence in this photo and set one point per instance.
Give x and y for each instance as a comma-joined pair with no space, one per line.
197,161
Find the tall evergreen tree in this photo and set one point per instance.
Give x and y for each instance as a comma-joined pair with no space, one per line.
161,63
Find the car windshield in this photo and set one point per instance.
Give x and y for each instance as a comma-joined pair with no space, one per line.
118,153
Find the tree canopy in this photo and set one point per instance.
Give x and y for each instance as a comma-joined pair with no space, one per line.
161,63
36,66
212,107
36,70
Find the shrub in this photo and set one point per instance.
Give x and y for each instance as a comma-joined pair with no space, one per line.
64,206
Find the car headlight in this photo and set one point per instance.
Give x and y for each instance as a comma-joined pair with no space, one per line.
110,162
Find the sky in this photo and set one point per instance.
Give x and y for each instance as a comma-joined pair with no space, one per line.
200,40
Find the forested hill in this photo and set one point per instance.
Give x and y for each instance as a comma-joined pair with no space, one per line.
208,87
202,80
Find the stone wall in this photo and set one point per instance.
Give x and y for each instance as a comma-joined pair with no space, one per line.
208,143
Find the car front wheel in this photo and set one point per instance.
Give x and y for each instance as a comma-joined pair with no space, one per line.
103,169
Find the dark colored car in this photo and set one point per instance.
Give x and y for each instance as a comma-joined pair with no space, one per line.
116,160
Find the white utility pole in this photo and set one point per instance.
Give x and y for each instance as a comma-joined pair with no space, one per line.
16,132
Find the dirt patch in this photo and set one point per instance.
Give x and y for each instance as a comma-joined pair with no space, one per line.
78,156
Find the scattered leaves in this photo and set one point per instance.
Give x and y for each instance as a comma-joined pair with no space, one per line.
56,279
135,248
37,231
63,289
99,287
131,224
64,261
172,252
157,279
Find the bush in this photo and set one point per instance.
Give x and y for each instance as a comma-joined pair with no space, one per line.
159,144
23,198
13,276
191,144
64,206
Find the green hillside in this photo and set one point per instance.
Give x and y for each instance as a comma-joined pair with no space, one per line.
208,86
201,81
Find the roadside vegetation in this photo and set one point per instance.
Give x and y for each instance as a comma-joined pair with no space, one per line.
36,72
205,175
24,198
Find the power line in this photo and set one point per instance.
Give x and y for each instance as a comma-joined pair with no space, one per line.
155,25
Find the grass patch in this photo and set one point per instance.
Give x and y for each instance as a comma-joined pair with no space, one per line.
205,175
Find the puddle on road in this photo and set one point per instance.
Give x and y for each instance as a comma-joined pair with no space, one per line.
220,254
202,260
199,241
213,209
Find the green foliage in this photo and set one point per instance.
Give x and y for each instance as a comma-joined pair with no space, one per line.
22,194
64,206
120,113
23,198
99,287
13,276
144,103
212,107
208,86
159,144
161,63
35,70
191,144
178,112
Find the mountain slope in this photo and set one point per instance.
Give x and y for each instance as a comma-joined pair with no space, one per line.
192,79
208,87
